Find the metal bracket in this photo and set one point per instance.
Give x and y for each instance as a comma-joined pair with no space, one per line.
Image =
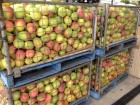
4,39
17,72
2,28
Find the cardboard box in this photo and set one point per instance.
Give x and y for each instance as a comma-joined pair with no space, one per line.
134,67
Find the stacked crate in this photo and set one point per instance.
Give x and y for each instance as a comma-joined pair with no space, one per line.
66,88
49,45
116,34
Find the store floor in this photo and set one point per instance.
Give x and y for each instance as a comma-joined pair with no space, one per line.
116,93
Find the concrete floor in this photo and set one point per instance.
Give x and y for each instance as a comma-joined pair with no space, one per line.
116,93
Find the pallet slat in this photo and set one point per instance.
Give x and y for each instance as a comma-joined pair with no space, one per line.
117,47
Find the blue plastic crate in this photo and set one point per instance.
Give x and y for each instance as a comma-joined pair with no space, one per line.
106,89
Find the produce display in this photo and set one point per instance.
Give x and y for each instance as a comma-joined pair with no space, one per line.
112,67
121,25
38,32
63,89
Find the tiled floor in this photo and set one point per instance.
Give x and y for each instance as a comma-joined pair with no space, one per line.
116,93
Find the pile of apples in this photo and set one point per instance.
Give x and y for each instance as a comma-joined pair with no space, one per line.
57,90
112,67
121,25
37,32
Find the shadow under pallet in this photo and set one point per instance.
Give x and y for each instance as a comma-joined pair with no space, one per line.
38,72
109,87
116,47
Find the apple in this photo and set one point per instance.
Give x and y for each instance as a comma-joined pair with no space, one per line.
52,8
59,19
40,32
19,12
61,96
30,53
37,42
35,14
67,91
45,50
73,76
62,12
28,18
46,81
67,21
61,88
63,45
40,86
56,84
53,36
16,95
10,37
59,38
52,22
41,97
49,29
28,61
50,44
77,89
29,45
48,88
20,54
53,79
45,38
44,10
24,97
17,102
69,83
20,24
66,78
8,12
48,98
59,29
86,71
54,92
24,36
54,99
37,57
9,26
71,98
31,28
68,32
81,22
